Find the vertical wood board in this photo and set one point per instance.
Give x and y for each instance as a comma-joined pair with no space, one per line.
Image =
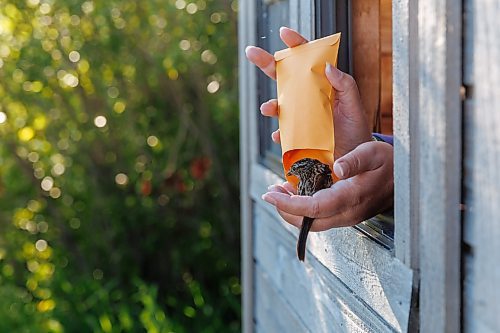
482,164
248,153
439,28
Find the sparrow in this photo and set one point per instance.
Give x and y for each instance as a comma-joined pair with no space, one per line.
313,176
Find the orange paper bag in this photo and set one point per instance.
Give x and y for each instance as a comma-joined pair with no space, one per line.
305,102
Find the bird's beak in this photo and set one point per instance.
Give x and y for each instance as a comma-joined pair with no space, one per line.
289,173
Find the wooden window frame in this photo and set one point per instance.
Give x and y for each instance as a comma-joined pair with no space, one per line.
427,155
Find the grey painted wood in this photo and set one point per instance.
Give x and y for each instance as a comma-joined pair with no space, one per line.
306,21
248,153
439,70
482,165
467,308
405,101
361,266
294,14
317,298
273,313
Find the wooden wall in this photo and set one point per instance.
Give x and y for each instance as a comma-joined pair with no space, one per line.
481,190
372,59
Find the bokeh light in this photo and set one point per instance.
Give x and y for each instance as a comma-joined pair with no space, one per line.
121,179
110,114
100,121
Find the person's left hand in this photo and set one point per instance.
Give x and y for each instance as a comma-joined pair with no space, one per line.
365,188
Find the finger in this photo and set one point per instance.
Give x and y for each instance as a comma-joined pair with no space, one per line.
291,219
344,219
269,108
289,187
275,136
295,204
262,59
352,214
291,37
278,188
343,83
365,157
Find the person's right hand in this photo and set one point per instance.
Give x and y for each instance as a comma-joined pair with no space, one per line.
350,124
365,188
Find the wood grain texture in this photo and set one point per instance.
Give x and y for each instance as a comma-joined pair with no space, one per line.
318,300
363,268
306,26
248,153
386,66
439,24
366,54
482,165
405,96
273,312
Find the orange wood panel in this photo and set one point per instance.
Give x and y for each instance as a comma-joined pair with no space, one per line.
366,54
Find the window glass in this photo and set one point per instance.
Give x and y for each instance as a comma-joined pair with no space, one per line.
272,16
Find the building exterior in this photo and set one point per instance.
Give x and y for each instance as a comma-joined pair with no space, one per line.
428,71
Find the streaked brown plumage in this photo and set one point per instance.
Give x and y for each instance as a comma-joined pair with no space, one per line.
313,176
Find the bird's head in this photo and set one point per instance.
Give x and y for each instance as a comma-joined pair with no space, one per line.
306,166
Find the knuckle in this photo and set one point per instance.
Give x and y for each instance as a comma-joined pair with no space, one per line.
314,209
348,80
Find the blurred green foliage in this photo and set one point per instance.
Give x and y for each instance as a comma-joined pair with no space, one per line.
119,207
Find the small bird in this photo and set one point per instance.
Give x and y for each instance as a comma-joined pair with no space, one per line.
313,176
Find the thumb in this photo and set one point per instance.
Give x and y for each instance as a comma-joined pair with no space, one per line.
344,84
367,156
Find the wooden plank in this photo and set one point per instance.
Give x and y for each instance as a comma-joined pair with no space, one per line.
370,271
294,14
386,66
248,153
273,313
319,299
468,287
405,97
366,41
307,21
439,24
482,162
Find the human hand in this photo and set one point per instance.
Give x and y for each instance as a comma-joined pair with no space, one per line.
365,188
350,124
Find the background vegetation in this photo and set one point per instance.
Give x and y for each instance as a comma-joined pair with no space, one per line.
118,166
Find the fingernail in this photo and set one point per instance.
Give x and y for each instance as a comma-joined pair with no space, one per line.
340,169
247,49
328,67
334,72
262,106
269,198
283,28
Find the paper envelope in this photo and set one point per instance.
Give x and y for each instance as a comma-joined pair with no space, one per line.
305,101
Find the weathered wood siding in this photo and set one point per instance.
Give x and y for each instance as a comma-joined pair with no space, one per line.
347,279
439,158
481,296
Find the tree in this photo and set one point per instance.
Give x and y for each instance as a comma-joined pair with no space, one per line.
119,165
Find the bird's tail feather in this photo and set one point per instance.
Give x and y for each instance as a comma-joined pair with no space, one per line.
304,231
